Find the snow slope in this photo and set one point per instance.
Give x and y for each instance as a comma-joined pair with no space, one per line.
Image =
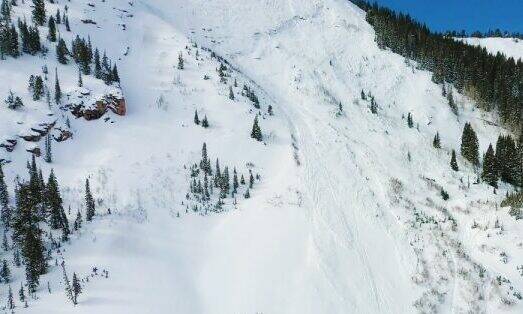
511,47
347,216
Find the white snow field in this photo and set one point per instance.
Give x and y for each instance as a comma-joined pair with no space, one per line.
347,216
511,47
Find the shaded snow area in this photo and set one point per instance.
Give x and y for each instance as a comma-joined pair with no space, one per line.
345,213
510,47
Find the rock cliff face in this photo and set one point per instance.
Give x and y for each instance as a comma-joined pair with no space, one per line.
83,104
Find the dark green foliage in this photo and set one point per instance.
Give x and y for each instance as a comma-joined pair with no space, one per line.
36,85
231,93
30,38
62,52
89,202
508,161
13,102
437,141
470,145
5,272
196,119
249,93
39,12
181,62
205,163
76,287
494,81
8,41
450,100
444,195
490,173
363,96
48,149
205,122
410,121
256,132
52,29
453,161
5,11
53,202
57,89
78,221
5,210
374,106
269,110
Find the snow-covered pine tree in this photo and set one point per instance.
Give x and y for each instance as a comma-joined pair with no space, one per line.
437,141
196,118
76,288
453,161
5,210
490,174
39,12
5,272
410,120
62,52
48,149
470,145
52,29
57,89
205,122
10,300
89,202
181,62
256,132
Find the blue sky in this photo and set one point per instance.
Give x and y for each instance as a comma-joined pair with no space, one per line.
470,15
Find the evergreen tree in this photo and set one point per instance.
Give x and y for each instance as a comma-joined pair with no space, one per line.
436,142
181,63
21,293
80,80
78,221
470,145
196,119
450,100
247,194
39,12
363,96
54,202
256,132
231,93
489,173
76,288
410,121
89,202
52,29
48,149
97,64
5,210
62,52
205,122
115,75
57,89
269,111
251,179
10,300
67,27
5,272
453,161
37,87
205,163
5,11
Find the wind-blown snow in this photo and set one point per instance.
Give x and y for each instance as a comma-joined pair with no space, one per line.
341,221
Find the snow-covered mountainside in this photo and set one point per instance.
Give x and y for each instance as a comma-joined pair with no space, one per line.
511,47
345,207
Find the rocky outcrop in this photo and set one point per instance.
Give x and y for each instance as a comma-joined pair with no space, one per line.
35,151
63,135
9,144
112,101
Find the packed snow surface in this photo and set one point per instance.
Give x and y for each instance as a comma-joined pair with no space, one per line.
510,47
347,216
